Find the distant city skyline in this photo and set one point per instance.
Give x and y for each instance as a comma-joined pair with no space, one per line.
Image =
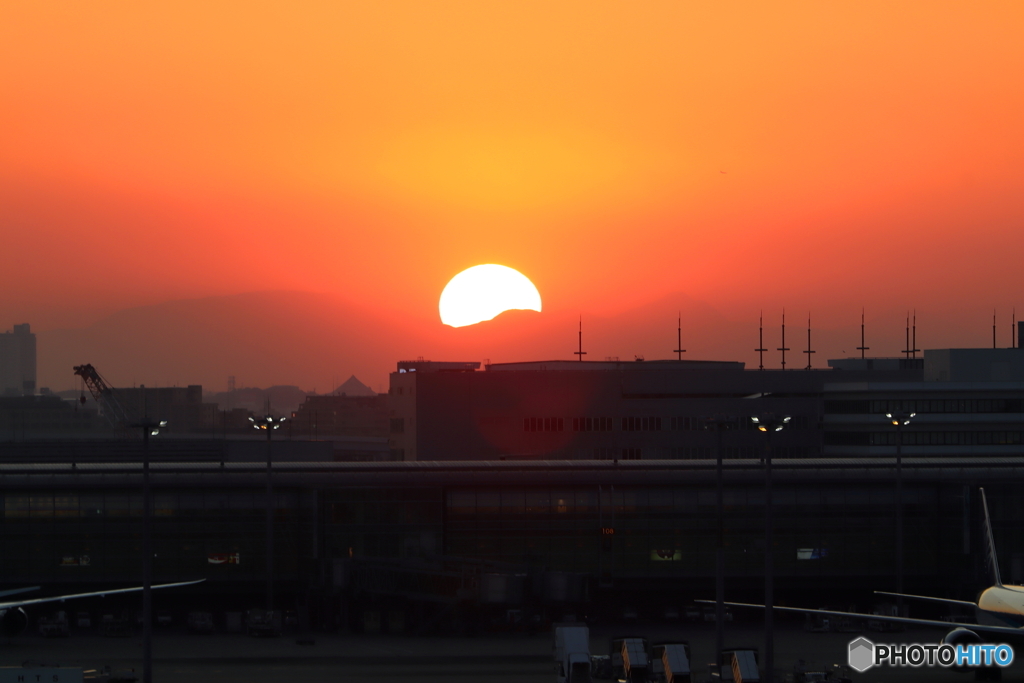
316,342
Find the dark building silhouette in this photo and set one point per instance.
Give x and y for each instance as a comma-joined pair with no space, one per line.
610,410
182,407
46,417
18,362
340,415
968,402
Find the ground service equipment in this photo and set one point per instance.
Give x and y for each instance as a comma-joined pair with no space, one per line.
572,654
635,664
744,667
675,661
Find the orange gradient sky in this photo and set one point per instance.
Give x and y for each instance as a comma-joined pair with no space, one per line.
817,156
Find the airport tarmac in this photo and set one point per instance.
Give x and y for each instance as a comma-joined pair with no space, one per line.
236,658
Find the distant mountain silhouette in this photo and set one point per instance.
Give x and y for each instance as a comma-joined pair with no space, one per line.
353,387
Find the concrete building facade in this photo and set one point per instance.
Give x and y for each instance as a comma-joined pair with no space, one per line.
569,410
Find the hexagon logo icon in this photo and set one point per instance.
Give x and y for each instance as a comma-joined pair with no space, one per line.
862,654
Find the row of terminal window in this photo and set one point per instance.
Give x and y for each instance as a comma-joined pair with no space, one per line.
592,424
634,424
952,405
933,438
703,453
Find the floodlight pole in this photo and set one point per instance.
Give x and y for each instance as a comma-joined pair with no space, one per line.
269,423
270,524
719,424
899,419
769,423
149,428
147,565
769,568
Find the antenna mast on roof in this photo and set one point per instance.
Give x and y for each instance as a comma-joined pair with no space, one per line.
862,348
808,351
993,328
783,348
760,342
1013,330
906,351
581,352
913,348
679,339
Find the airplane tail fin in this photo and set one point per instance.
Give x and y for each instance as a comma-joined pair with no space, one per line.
991,560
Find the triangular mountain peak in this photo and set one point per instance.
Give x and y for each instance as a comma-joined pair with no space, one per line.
353,387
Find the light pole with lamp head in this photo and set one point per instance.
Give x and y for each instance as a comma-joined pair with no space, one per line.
719,424
269,423
899,419
149,428
769,423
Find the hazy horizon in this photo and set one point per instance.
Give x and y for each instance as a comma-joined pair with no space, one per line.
283,338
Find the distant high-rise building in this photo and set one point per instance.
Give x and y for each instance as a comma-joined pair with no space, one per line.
18,362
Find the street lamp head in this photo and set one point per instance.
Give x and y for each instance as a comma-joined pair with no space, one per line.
770,423
163,423
900,419
154,432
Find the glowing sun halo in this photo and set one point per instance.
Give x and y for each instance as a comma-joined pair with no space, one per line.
482,292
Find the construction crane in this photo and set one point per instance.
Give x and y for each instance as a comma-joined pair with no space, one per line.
104,396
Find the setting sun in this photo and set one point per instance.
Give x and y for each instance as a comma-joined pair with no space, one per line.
482,292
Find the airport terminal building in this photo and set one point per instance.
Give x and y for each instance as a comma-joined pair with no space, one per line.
544,536
553,488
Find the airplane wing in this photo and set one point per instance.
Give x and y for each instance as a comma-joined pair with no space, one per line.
948,625
15,591
62,598
928,598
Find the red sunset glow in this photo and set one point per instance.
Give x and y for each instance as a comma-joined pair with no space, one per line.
633,160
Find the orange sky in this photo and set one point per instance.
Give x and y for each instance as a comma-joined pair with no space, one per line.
750,155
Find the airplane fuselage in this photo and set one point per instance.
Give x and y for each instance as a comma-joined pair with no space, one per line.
1001,606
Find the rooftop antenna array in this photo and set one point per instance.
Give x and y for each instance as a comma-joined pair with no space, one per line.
581,352
911,350
760,342
808,351
783,348
679,339
862,348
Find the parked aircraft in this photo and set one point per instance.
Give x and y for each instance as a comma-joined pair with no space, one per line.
999,609
13,618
